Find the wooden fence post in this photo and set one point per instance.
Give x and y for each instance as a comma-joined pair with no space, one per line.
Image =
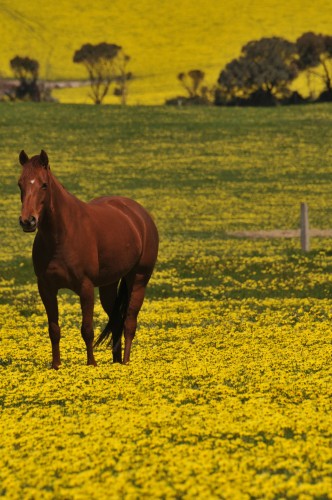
305,239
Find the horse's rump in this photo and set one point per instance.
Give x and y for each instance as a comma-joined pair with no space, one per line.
134,218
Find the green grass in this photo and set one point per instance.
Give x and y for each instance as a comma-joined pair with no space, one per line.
202,172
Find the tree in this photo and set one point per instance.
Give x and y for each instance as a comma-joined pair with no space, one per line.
261,74
100,62
192,82
315,53
123,78
26,70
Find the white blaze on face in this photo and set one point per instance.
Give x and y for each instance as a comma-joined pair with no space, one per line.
33,181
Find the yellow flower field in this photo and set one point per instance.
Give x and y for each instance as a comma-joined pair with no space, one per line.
162,38
228,394
221,405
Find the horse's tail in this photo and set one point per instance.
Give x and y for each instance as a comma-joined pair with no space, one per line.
114,327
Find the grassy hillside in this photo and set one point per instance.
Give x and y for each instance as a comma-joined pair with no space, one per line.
163,38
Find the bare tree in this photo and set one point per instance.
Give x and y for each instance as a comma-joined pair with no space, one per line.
100,62
123,76
192,82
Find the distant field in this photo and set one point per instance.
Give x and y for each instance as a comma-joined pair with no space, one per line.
163,38
228,394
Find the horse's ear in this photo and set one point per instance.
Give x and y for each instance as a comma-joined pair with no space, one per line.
23,157
43,158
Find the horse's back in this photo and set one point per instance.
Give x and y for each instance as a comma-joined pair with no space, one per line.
126,205
135,212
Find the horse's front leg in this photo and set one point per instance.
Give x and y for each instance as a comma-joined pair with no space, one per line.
50,301
87,305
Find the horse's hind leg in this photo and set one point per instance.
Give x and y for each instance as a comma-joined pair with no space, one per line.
136,298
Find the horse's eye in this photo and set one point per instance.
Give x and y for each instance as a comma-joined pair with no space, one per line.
44,186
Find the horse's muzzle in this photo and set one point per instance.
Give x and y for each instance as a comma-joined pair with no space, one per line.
28,225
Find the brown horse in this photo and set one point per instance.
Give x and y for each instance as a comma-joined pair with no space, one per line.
110,243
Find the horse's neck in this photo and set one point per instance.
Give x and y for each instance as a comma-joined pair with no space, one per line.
61,211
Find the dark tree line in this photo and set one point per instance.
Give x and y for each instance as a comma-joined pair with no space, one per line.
266,68
263,74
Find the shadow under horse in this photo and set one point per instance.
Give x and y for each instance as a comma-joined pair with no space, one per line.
110,243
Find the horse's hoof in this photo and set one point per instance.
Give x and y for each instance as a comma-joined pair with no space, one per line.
94,363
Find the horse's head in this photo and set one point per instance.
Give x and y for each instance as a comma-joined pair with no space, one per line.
33,184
